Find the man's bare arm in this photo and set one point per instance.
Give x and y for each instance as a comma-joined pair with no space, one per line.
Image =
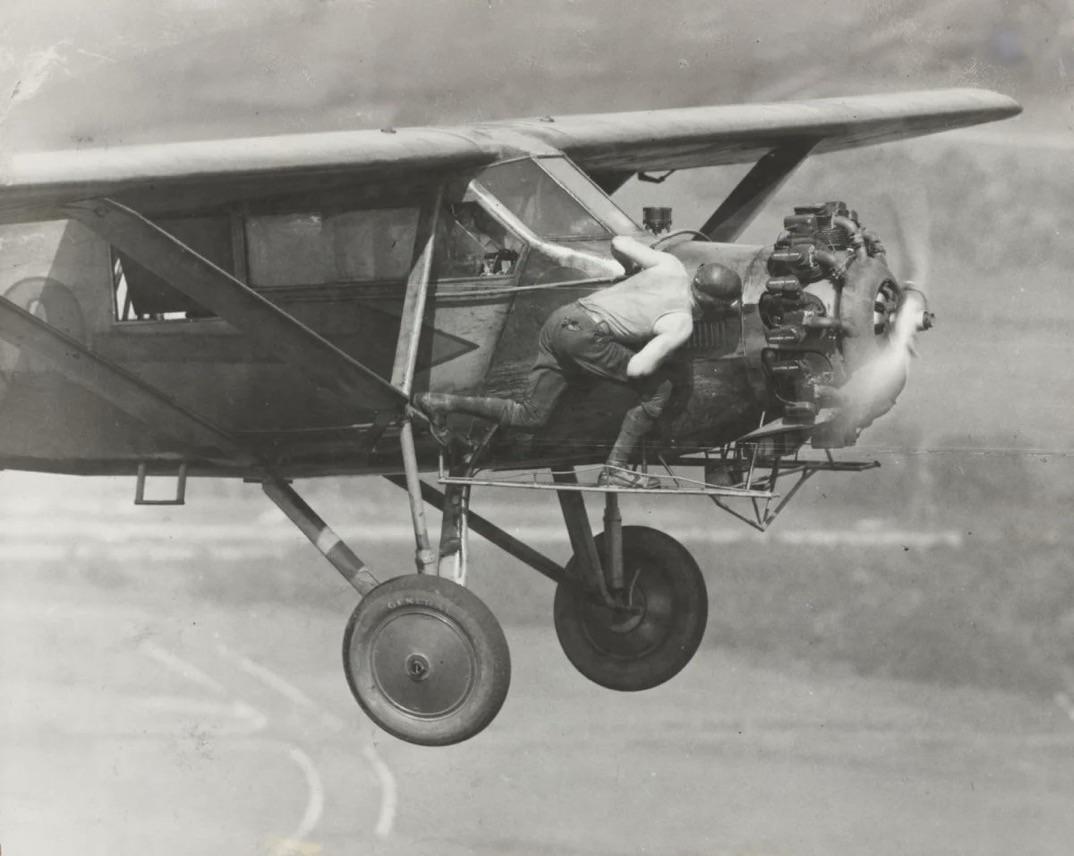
672,331
629,251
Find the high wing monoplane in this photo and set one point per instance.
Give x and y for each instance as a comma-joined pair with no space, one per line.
265,309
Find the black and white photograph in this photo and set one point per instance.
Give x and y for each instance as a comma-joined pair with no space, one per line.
567,428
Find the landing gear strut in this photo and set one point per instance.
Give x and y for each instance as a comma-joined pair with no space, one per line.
632,611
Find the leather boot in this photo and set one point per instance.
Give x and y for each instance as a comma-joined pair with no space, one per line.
439,404
636,425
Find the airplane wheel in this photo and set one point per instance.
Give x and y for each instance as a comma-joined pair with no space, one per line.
426,660
636,650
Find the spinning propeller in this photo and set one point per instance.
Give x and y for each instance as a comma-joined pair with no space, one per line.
898,316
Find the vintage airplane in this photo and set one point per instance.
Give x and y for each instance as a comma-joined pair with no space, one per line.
265,309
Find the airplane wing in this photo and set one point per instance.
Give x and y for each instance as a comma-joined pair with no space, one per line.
603,142
741,133
231,168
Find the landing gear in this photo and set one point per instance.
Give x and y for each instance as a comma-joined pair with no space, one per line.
657,624
424,657
426,660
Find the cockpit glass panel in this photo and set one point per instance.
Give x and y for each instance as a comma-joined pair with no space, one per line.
591,196
539,201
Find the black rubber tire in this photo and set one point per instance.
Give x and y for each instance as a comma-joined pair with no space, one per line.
426,660
631,653
869,283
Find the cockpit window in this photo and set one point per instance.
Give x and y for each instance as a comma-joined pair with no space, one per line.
541,202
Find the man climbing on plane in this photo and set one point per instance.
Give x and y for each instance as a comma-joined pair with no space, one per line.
624,332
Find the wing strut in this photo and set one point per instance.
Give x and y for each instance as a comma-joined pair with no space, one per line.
406,360
263,322
737,211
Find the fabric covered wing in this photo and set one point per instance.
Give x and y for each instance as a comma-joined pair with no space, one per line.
223,170
232,168
710,136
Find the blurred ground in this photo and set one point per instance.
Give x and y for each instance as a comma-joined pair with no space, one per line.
139,719
870,680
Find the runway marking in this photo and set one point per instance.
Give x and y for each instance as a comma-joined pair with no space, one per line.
251,718
315,806
280,684
388,790
181,667
256,721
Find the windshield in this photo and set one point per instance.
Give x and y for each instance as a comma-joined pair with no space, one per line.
591,196
555,200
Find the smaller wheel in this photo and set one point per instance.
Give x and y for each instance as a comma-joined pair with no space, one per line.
426,660
651,640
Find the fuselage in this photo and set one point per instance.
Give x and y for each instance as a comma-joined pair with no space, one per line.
513,242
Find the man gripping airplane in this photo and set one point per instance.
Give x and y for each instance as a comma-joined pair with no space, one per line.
623,333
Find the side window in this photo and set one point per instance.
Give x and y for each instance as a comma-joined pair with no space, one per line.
320,247
471,243
141,295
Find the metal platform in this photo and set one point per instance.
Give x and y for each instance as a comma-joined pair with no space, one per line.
756,480
587,482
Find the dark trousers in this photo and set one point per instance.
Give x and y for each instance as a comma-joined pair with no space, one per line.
572,343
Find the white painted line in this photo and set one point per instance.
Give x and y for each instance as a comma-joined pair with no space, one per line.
315,804
248,719
388,791
267,677
181,667
280,684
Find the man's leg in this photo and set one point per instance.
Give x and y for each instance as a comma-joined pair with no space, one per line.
601,355
531,411
546,384
655,391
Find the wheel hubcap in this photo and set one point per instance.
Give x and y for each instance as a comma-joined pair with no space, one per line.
628,618
422,662
418,667
632,633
